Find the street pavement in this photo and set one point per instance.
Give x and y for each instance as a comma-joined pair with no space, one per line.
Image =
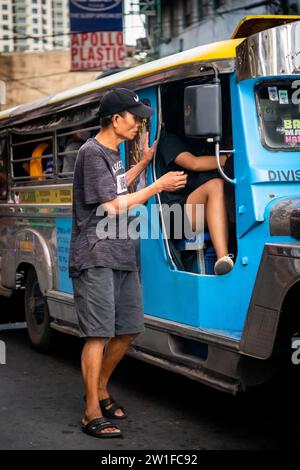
41,404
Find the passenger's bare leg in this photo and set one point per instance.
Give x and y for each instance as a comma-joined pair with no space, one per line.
91,360
115,350
211,194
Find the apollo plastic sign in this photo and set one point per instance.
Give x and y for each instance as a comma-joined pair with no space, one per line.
100,50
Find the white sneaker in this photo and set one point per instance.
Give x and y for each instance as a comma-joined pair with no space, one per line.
224,265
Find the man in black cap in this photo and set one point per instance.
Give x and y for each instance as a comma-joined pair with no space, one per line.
106,285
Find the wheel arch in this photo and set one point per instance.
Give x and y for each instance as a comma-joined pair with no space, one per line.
31,249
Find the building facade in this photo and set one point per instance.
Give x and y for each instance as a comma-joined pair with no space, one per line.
176,25
33,25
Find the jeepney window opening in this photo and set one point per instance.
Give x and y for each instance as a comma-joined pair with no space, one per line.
57,121
278,115
32,159
68,144
3,169
173,117
172,104
48,159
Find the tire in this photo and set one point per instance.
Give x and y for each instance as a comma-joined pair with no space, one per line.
37,314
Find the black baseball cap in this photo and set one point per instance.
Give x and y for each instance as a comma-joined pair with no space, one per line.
121,99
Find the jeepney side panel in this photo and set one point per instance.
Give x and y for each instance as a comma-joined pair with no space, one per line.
35,234
29,241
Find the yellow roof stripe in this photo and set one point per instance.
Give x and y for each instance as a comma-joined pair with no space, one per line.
218,50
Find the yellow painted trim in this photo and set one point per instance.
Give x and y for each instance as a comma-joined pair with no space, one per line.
249,19
214,51
46,196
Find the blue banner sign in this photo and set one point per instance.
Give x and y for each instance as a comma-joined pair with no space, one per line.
95,15
63,236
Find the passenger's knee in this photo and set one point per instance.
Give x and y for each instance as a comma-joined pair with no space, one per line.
216,185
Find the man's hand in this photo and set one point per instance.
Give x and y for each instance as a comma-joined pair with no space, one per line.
171,181
147,152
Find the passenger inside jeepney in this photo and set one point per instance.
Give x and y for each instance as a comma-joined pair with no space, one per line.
74,142
204,186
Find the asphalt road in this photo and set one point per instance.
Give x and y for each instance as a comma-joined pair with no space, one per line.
41,404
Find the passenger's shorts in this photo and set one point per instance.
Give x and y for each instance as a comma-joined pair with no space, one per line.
108,302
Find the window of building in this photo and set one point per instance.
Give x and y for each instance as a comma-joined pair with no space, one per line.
35,20
175,18
34,10
35,31
5,48
5,17
4,7
187,13
218,4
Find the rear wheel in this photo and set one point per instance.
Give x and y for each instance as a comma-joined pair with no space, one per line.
37,314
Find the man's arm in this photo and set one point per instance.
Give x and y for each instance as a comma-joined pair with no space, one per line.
135,171
203,163
171,181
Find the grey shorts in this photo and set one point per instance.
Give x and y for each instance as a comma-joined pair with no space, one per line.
108,302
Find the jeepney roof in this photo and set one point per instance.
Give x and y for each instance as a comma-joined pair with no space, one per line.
213,51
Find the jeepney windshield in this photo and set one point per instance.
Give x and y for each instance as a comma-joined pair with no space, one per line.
278,109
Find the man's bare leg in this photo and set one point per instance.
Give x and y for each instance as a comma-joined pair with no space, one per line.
91,360
115,350
211,194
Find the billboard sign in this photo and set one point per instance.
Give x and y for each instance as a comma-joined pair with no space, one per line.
95,15
100,50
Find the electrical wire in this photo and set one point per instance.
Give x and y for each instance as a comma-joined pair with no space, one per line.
180,22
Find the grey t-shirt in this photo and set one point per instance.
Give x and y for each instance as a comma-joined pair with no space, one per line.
99,177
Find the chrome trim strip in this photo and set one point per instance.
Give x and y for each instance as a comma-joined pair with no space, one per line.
271,52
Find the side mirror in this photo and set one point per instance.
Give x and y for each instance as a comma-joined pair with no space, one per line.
203,111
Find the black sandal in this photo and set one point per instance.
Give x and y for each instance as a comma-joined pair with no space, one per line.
111,411
95,428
